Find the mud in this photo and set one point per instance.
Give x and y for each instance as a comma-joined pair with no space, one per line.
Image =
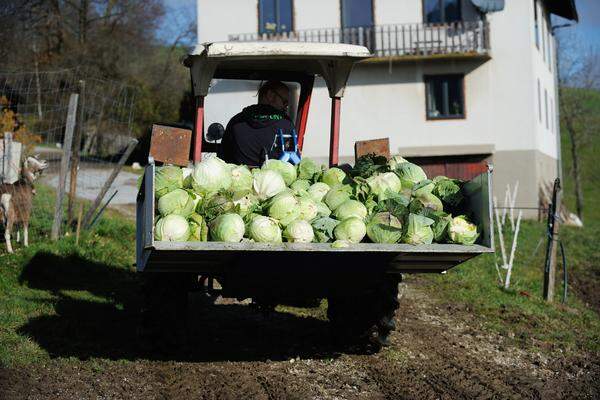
436,353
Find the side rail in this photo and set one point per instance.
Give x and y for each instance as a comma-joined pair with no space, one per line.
478,193
145,217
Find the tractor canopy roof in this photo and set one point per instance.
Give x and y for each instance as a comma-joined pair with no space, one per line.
289,61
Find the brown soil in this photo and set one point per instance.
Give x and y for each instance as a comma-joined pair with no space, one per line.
436,353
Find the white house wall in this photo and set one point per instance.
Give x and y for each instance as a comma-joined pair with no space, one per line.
217,19
316,14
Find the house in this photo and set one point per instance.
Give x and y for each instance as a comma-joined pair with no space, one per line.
454,84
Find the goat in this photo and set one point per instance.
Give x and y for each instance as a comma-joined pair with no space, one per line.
16,200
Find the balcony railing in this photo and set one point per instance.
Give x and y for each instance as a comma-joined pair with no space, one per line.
463,37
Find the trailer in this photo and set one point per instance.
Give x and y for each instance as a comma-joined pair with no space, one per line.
360,282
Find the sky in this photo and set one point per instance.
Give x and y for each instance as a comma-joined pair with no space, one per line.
182,12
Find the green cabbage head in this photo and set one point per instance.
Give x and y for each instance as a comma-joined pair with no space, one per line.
177,202
418,230
308,169
337,195
307,208
166,179
333,176
317,191
241,180
264,230
287,170
268,183
350,208
172,228
461,231
227,228
410,174
383,227
211,175
384,185
299,231
283,207
352,229
300,187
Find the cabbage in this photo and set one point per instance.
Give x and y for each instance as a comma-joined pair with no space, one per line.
461,231
241,180
215,205
227,228
211,175
267,183
381,184
166,179
333,176
350,208
352,229
196,198
177,202
300,187
395,161
307,209
187,177
337,195
418,230
308,169
410,174
440,225
246,204
384,228
422,188
340,244
322,210
287,170
265,230
283,207
198,228
173,228
299,231
430,201
323,228
318,190
448,190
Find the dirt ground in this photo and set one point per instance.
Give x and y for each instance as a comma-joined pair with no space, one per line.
436,353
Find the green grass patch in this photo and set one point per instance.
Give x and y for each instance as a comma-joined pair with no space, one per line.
55,295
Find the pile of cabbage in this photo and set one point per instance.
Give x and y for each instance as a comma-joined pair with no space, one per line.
376,201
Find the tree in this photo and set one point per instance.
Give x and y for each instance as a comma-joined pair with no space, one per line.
579,78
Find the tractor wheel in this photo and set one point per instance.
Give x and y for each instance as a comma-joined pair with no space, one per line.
362,319
164,310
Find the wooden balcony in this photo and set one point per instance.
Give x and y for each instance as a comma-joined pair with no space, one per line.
402,41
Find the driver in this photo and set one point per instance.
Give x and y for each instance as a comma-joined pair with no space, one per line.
250,135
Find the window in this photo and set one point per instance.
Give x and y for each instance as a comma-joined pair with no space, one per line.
539,101
275,16
444,96
441,11
536,24
543,32
546,107
356,13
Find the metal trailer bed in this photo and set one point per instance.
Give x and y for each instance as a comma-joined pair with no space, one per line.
213,258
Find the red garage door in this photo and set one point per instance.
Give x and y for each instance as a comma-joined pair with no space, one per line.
460,167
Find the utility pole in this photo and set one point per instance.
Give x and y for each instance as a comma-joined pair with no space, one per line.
553,227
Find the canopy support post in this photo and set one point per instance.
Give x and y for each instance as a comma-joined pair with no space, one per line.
306,88
198,130
334,139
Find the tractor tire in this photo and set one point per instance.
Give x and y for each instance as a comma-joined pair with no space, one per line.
362,319
164,310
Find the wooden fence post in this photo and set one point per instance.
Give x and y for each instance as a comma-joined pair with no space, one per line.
553,225
75,154
64,166
90,212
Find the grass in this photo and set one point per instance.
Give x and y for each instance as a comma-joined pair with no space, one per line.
520,310
44,288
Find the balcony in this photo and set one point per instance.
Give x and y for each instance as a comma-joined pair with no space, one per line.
402,41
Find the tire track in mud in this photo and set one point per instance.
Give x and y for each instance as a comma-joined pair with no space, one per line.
436,353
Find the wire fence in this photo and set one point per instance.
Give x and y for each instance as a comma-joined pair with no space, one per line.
78,127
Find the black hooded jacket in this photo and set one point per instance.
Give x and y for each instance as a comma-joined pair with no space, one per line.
250,135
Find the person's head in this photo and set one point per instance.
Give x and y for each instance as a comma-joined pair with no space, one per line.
275,94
